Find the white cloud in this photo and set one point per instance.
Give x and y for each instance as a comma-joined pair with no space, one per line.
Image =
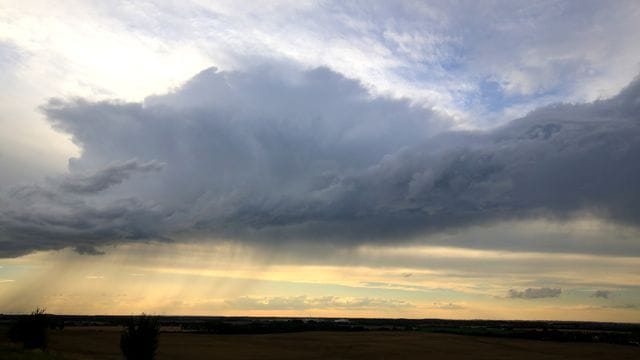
435,54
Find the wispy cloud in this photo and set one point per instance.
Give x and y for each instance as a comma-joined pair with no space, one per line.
445,306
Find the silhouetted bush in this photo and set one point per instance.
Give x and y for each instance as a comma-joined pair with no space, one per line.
139,341
32,330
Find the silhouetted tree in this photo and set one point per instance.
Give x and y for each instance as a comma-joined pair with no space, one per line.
32,330
139,341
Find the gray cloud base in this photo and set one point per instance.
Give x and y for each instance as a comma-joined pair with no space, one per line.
276,154
535,293
111,175
604,294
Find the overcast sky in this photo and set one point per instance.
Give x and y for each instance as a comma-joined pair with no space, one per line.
471,159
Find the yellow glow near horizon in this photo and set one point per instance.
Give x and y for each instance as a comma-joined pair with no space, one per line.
367,281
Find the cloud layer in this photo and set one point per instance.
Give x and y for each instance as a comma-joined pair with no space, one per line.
304,302
276,154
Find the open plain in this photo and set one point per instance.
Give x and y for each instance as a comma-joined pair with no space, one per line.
101,342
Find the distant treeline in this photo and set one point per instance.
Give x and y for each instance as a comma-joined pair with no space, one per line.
543,331
269,326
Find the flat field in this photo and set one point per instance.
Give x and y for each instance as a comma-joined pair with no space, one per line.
102,342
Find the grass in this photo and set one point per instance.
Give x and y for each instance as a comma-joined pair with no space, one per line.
7,353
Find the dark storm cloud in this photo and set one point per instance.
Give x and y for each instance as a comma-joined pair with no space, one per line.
535,293
275,154
111,175
38,218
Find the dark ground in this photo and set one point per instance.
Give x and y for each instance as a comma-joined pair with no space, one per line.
102,343
273,338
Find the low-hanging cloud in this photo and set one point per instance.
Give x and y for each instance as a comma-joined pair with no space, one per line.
111,175
304,302
276,154
535,293
604,294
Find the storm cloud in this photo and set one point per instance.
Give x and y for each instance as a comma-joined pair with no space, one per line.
111,175
274,154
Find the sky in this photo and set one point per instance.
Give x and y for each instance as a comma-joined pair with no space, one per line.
417,159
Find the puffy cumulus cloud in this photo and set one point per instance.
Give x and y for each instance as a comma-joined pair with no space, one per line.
304,302
535,293
231,153
278,154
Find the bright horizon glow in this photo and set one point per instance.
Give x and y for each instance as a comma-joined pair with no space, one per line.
410,281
